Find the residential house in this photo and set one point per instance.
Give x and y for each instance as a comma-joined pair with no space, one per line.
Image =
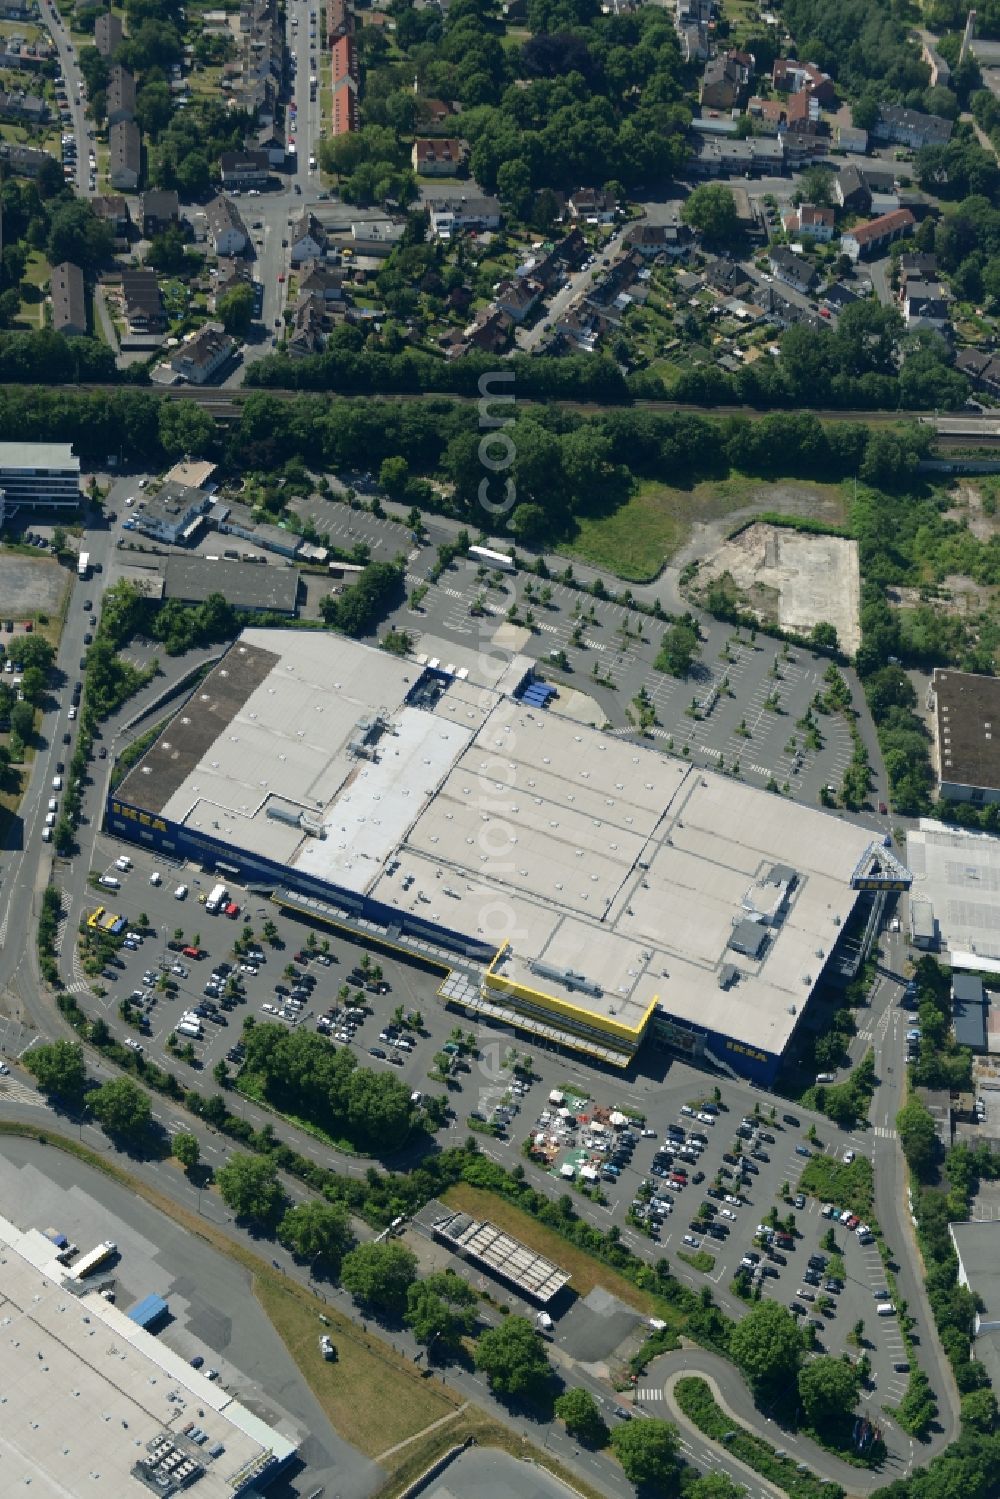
241,170
260,69
323,282
917,265
809,221
271,142
726,277
339,19
725,83
789,76
982,370
346,78
120,95
925,305
226,229
112,208
451,216
160,210
69,302
24,161
802,144
854,187
125,165
377,233
202,354
437,158
517,296
490,334
694,22
782,310
793,269
770,114
309,326
897,126
307,239
144,310
108,33
434,114
877,234
852,138
231,271
593,205
173,514
27,109
839,296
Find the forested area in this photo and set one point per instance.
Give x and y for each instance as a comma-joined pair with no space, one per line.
301,1074
586,99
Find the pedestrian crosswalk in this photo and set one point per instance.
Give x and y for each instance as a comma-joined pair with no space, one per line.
883,1132
14,1092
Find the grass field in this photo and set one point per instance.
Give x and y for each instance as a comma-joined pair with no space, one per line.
366,1377
636,541
586,1271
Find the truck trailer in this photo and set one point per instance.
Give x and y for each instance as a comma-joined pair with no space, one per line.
83,565
94,1260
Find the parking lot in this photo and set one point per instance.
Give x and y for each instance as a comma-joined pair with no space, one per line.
766,1153
740,705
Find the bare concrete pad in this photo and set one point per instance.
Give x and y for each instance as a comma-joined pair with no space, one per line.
31,585
578,706
512,638
794,579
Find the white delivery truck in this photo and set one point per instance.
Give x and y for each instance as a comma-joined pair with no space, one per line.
188,1028
217,898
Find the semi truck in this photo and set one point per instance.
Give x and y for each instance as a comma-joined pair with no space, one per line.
83,565
488,558
94,1260
217,898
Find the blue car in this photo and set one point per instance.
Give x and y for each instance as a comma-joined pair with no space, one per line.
802,1150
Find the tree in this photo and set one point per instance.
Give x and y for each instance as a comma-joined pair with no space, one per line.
917,1135
828,1389
583,1418
187,1150
393,476
979,1410
317,1231
77,234
714,1486
235,310
647,1451
250,1186
441,1309
380,1275
59,1069
678,649
122,1108
711,209
513,1358
767,1346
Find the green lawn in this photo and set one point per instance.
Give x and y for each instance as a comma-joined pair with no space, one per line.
635,541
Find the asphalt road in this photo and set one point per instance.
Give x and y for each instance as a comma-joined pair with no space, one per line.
76,100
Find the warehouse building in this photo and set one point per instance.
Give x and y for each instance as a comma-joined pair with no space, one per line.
267,590
93,1403
586,890
953,902
966,712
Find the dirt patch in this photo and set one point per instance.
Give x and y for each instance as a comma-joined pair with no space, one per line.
31,585
793,579
975,505
822,502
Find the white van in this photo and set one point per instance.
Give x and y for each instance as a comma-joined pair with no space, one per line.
885,1309
824,1077
53,804
110,881
50,819
123,862
46,835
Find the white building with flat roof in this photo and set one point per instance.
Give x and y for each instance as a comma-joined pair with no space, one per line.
92,1404
590,885
39,476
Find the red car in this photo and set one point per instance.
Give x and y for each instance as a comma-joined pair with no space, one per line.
232,910
282,276
191,952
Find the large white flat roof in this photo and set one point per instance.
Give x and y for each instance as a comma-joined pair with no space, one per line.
507,824
85,1390
959,873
